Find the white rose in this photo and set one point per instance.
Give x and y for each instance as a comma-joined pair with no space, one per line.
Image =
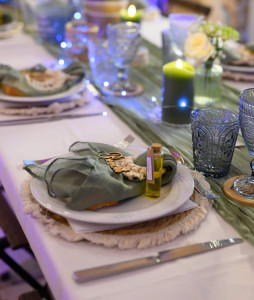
198,46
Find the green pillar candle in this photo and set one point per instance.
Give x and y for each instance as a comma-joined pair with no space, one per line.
177,92
131,14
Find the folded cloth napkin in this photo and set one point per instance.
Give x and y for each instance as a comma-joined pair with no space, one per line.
87,180
238,54
69,76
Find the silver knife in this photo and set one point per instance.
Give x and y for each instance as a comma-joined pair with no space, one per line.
47,118
161,257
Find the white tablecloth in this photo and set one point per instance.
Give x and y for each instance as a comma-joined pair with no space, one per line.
222,274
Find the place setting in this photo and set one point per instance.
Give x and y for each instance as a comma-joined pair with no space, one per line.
42,94
98,193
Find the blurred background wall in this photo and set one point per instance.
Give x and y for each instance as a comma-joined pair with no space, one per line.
236,13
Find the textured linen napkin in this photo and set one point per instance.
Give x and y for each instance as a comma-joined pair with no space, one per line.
87,180
13,78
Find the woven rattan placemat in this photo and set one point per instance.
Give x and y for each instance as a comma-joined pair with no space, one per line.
139,236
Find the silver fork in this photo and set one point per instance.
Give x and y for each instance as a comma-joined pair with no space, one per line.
125,142
121,144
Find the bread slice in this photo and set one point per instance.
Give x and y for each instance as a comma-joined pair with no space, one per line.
101,205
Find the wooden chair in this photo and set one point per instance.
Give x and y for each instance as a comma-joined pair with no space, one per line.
15,239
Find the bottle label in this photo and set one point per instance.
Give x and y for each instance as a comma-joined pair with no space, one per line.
150,166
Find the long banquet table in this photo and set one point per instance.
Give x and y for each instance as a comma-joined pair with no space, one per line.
222,274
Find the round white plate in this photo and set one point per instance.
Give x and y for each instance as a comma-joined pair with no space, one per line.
137,209
44,99
240,69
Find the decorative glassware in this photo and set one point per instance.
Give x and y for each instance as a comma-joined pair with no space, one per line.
179,27
214,134
52,15
101,63
77,34
124,40
245,186
28,15
207,84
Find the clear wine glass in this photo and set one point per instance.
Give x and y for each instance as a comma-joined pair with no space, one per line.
245,185
124,40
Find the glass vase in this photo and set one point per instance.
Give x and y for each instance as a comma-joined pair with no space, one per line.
207,84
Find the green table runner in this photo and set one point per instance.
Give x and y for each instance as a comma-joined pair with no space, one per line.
141,114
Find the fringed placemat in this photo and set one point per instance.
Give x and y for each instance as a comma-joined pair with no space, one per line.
78,100
139,236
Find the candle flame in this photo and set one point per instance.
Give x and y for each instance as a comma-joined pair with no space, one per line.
179,64
132,10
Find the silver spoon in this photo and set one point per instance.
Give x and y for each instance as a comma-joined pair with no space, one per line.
198,186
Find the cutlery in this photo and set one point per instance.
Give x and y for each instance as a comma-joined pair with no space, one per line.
48,118
198,186
121,144
161,257
125,142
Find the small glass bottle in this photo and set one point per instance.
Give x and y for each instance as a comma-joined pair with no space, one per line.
154,171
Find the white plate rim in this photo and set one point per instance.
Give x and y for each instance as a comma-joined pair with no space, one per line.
242,69
180,191
44,99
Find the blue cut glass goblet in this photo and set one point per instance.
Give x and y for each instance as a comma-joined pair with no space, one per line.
124,40
245,186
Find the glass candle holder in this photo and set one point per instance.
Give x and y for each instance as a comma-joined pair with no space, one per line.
177,92
77,35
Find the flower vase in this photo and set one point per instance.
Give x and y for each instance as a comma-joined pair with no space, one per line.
207,84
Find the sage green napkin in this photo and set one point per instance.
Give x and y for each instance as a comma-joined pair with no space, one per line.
12,77
86,180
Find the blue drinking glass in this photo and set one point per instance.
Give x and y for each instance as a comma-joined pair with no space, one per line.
214,134
245,186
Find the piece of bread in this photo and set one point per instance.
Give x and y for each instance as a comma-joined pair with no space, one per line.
101,205
11,91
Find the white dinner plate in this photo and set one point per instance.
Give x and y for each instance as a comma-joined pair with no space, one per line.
137,209
239,69
44,99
